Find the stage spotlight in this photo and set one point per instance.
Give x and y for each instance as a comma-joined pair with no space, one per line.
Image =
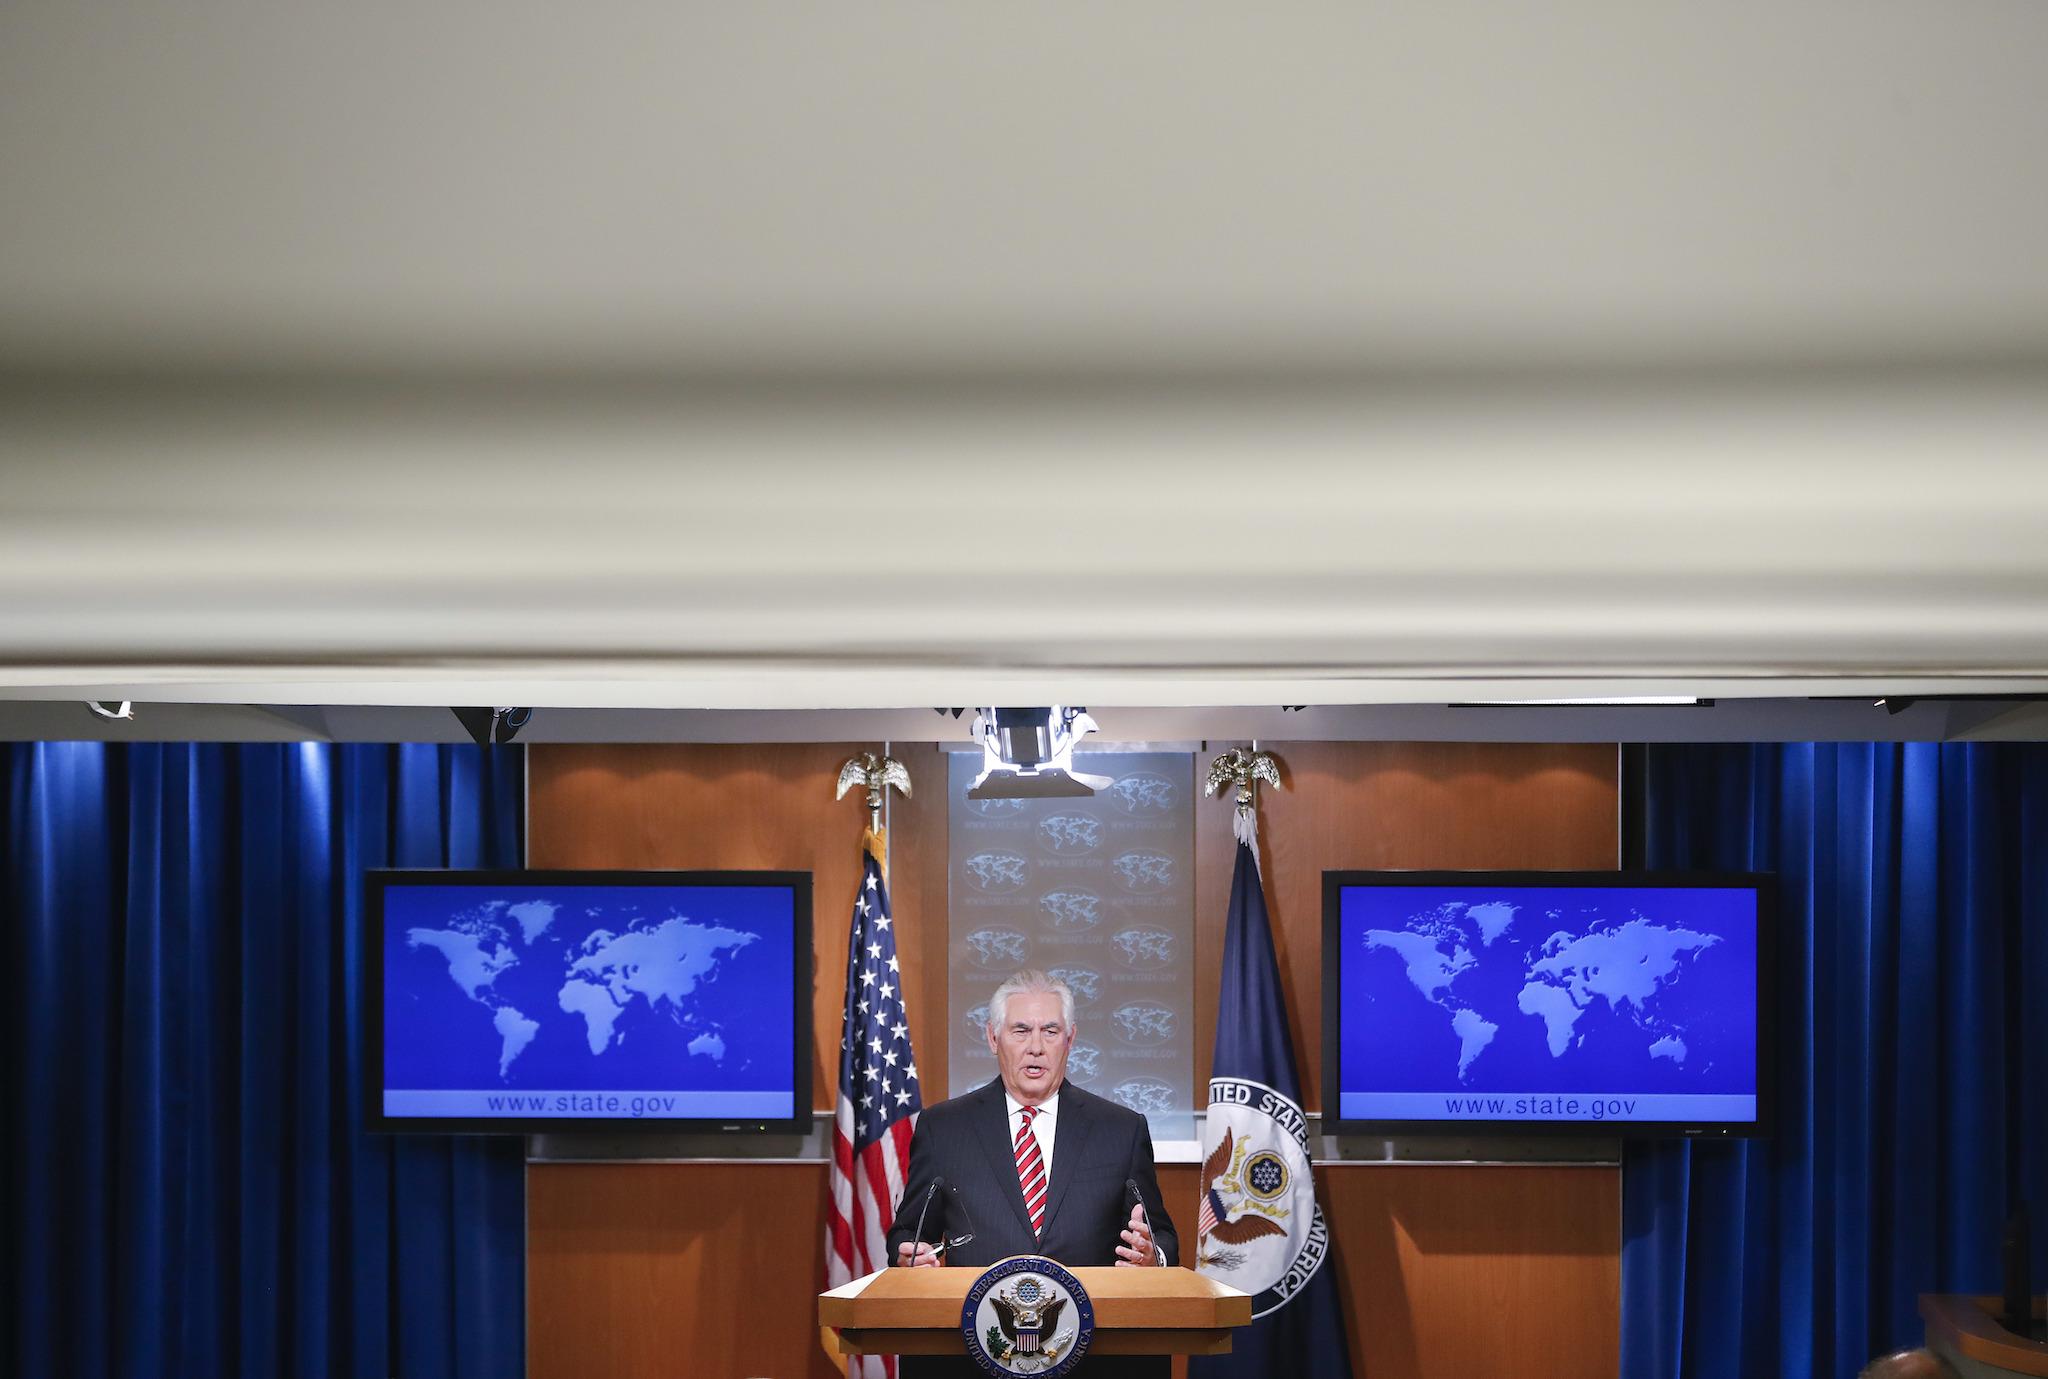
492,727
1029,754
1895,706
124,711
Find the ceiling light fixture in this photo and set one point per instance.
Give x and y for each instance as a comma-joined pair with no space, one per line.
1029,754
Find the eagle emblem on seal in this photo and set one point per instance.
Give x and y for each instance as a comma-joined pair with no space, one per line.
1027,1318
1029,1315
1231,1212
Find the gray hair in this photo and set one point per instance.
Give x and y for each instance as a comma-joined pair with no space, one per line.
1030,981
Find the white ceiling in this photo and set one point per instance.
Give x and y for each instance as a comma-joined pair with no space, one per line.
749,357
626,183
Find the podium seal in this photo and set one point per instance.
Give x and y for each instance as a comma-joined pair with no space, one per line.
1026,1315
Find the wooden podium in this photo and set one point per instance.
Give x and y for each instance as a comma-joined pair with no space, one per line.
1964,1331
1137,1311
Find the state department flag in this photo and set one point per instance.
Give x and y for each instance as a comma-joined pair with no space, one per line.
1258,1227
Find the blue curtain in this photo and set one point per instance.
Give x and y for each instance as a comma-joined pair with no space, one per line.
1912,955
185,1183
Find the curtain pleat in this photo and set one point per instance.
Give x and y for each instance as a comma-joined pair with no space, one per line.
1912,900
185,1186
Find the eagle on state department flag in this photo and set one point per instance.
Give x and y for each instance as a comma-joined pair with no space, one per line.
1228,1222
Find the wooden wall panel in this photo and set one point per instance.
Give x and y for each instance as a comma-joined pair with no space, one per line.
707,1270
918,883
1460,1270
1468,1270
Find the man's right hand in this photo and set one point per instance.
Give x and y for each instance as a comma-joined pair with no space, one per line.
926,1256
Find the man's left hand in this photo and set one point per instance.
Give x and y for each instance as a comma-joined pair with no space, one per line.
1137,1251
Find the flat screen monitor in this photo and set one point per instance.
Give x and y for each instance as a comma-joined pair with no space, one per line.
515,1002
1611,1003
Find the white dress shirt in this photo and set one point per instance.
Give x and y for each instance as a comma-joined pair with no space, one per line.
1043,1126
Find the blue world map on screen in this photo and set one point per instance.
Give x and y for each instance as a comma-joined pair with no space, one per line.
1539,989
587,988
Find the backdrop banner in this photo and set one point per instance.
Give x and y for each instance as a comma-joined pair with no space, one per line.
1100,891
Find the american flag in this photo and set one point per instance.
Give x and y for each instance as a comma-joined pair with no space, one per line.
878,1097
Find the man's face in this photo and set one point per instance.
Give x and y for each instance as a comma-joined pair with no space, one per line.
1031,1045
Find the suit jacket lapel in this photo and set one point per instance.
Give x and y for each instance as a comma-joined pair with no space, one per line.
1075,1121
993,1123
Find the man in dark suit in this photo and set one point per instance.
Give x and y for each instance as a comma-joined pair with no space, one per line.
1040,1163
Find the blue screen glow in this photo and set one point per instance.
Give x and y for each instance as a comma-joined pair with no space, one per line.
598,1001
1538,1003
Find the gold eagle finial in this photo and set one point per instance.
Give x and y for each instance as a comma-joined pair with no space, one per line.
876,773
1243,767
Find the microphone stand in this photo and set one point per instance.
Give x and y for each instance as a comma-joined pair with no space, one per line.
917,1239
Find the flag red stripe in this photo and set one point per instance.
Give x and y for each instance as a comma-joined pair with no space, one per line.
878,1185
870,1237
839,1228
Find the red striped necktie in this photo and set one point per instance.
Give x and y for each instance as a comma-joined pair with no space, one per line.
1031,1170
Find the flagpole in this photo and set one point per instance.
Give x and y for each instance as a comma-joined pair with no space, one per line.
879,1097
1258,1226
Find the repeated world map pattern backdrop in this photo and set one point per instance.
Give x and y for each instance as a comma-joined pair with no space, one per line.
1100,891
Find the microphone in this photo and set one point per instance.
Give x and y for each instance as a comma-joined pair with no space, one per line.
954,1199
1133,1196
929,1193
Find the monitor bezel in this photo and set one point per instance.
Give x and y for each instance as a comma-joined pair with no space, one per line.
1762,884
377,882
